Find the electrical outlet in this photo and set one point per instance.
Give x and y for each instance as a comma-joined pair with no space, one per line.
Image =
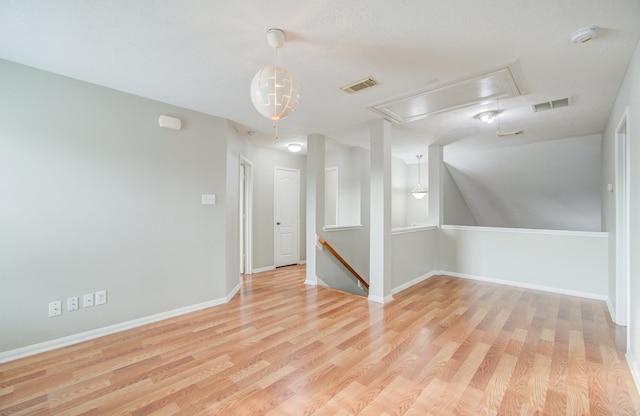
73,303
55,308
101,297
87,300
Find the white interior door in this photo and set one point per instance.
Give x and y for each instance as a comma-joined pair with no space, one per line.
286,202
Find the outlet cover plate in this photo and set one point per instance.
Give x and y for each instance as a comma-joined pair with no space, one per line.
73,303
87,300
55,308
101,297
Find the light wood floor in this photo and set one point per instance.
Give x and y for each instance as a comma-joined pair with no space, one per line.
445,346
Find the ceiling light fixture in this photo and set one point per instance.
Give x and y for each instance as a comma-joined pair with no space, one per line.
274,90
294,147
419,191
584,34
488,116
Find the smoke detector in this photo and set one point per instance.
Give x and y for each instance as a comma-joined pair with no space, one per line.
584,34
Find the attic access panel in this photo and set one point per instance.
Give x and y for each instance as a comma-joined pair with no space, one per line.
423,103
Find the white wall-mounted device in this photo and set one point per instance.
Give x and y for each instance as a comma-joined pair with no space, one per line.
169,122
208,199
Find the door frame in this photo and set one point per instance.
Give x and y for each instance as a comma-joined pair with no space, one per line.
622,211
275,230
245,207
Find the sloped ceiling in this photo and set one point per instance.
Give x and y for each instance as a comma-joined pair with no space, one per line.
202,55
561,190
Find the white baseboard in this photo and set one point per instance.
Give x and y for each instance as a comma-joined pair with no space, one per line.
233,292
559,291
413,282
264,269
302,262
320,282
378,299
612,311
38,348
634,366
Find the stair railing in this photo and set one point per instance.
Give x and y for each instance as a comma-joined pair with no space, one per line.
333,251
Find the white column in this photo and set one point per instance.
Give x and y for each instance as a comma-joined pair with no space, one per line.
315,201
436,164
380,213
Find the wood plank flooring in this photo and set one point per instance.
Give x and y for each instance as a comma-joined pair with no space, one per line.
447,346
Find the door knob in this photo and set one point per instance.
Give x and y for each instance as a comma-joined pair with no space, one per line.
278,223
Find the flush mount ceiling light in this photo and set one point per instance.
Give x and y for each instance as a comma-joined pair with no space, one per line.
274,90
488,116
584,34
419,191
294,147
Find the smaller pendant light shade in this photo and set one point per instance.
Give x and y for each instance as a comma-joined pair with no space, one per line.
419,191
275,92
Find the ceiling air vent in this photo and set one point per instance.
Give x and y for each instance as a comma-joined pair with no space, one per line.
550,105
359,85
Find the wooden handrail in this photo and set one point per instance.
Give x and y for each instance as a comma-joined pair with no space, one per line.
343,261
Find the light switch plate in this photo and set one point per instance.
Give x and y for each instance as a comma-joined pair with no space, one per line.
101,297
208,199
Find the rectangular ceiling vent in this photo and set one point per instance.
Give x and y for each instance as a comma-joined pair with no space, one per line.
359,85
550,105
423,103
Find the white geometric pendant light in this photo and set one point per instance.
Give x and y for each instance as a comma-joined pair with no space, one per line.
274,91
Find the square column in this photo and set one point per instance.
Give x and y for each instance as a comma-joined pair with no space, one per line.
435,166
380,213
315,201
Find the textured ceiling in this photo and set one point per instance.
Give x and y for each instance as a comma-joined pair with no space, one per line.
203,54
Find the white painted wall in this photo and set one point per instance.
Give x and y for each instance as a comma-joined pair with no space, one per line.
331,196
264,162
95,196
417,209
352,244
363,156
562,178
414,254
629,96
566,262
237,145
406,211
399,193
457,211
349,183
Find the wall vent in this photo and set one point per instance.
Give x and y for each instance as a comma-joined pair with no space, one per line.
550,105
359,85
